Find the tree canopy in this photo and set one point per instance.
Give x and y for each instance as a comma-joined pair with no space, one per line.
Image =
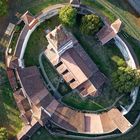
67,15
90,24
3,134
125,79
3,7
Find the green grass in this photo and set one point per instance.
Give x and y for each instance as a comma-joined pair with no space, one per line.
101,55
38,42
50,71
35,6
121,9
54,77
75,101
100,9
42,134
44,4
9,114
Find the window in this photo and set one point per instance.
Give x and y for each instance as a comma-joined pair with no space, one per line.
66,71
60,63
71,81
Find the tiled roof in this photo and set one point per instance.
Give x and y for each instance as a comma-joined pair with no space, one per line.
29,19
32,83
20,41
109,31
58,37
116,25
107,123
12,78
69,119
76,66
120,121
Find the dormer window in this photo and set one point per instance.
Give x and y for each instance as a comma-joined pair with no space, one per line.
60,63
73,80
66,71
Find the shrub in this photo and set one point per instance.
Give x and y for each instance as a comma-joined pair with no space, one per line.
3,7
90,24
67,15
119,61
125,79
3,134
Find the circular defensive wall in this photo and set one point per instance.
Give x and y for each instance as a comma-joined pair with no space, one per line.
37,105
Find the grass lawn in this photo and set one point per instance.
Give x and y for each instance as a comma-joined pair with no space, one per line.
38,42
35,6
75,101
54,77
100,9
9,114
50,71
125,12
42,134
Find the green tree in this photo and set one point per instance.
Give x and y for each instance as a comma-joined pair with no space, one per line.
3,134
125,79
3,7
67,15
119,61
90,24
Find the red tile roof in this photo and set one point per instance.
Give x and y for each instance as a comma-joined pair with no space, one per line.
58,37
109,31
33,84
29,19
12,78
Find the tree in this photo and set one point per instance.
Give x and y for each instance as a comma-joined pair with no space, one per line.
67,15
125,79
3,134
90,24
119,61
3,7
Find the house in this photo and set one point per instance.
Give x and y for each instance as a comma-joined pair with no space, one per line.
73,63
108,32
